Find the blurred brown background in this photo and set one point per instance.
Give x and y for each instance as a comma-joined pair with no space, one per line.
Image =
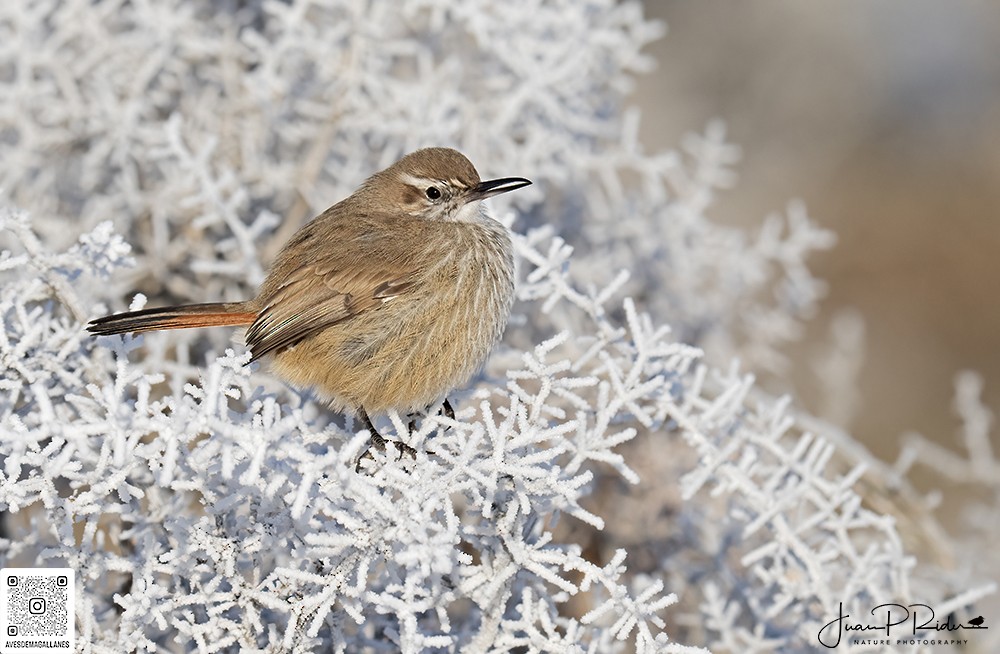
884,117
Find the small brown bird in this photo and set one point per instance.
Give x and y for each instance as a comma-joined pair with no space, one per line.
387,300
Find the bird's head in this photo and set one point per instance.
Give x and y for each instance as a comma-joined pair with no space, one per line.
435,184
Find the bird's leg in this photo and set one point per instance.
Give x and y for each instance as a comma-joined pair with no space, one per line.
376,439
378,442
447,410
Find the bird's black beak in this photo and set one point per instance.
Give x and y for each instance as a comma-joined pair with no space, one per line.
493,187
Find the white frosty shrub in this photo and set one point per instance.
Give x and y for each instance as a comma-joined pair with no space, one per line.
208,507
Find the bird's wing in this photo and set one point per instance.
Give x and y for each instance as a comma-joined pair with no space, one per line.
340,272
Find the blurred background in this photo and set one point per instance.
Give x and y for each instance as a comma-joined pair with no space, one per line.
884,118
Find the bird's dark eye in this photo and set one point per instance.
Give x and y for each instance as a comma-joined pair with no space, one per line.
433,193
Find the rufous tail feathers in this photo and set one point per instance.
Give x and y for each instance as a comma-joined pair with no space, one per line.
182,317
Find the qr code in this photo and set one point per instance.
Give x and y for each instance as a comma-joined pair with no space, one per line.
37,609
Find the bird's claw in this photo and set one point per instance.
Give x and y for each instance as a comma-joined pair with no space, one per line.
378,442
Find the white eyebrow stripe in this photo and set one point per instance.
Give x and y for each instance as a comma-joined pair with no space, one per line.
413,180
417,181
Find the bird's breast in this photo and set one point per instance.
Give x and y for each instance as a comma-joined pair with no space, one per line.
424,342
476,282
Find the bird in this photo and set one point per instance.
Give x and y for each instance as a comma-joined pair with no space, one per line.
388,300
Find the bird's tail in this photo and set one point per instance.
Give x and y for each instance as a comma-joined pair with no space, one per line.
182,317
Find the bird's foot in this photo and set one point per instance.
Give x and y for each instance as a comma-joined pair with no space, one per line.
378,442
447,410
